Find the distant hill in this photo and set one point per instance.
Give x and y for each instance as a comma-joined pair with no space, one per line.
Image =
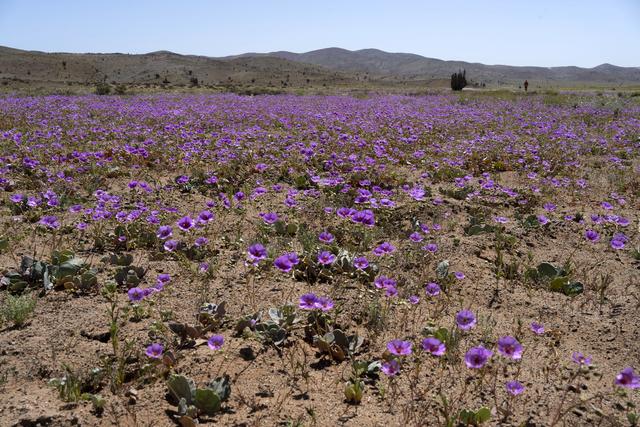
318,68
159,67
382,64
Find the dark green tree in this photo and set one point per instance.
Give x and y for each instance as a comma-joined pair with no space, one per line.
459,80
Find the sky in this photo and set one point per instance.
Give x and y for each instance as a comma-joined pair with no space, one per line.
585,33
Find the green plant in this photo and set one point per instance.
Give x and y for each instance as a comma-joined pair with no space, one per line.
17,309
474,418
338,345
71,385
353,391
116,363
557,279
459,80
65,271
127,274
102,89
193,401
274,330
361,371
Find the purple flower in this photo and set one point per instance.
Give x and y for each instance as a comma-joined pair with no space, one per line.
549,207
434,346
345,212
326,258
414,299
364,217
164,278
510,348
205,216
623,222
543,219
384,249
501,220
628,378
201,241
164,232
308,301
477,357
154,351
283,263
50,221
617,243
581,359
215,342
269,217
416,237
324,304
293,258
465,320
390,368
136,294
326,237
459,275
432,289
537,328
591,236
431,247
383,282
203,267
514,387
185,223
75,208
361,263
16,198
399,347
390,291
257,252
417,193
170,245
606,206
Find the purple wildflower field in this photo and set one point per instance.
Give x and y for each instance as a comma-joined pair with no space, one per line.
320,260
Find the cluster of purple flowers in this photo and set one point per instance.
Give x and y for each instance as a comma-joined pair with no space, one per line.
137,294
312,302
389,285
286,262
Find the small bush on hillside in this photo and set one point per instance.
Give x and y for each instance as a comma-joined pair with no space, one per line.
103,89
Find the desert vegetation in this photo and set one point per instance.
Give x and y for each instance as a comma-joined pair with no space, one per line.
446,260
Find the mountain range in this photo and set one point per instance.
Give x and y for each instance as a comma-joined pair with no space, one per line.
282,69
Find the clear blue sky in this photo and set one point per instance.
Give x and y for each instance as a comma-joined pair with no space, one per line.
535,32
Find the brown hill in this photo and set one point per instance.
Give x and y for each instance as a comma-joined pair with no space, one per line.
160,67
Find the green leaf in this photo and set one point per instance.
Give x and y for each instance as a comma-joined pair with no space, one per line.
4,243
558,284
340,339
280,227
531,222
573,288
292,229
482,415
548,270
467,416
323,344
442,270
181,387
207,401
221,386
442,334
